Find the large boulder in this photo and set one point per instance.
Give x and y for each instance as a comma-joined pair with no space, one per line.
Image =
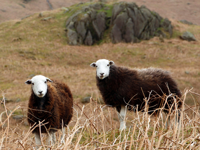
87,25
124,22
131,23
188,36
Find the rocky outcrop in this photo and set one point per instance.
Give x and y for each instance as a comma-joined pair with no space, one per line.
122,22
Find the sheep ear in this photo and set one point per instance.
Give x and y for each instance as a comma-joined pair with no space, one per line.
93,64
111,63
28,82
49,80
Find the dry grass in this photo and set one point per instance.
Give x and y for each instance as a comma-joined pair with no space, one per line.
94,126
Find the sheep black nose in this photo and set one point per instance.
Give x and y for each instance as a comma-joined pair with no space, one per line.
101,73
40,92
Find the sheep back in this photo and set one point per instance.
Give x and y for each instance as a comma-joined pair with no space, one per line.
124,86
53,110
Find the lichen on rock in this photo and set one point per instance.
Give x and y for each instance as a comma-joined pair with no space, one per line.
126,22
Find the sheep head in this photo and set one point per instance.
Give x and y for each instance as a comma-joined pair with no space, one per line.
39,85
103,67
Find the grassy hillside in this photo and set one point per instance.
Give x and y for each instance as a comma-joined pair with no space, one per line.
37,45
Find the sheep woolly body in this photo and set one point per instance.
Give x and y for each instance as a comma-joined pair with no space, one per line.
54,107
123,86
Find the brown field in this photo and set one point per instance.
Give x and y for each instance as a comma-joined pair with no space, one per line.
33,46
175,9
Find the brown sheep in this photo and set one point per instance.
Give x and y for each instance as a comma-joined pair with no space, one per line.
51,104
122,87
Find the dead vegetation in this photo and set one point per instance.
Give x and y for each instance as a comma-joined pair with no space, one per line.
94,126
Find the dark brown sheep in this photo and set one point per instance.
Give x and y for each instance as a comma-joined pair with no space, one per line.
122,87
51,104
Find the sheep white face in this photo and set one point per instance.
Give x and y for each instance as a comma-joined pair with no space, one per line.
103,67
39,85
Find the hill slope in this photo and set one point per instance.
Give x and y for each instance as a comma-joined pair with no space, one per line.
176,9
35,46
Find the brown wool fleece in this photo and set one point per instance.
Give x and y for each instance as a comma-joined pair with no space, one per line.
124,86
55,110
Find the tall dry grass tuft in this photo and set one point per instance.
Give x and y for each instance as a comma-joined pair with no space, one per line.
94,126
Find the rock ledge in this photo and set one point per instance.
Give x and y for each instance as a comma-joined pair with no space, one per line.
122,22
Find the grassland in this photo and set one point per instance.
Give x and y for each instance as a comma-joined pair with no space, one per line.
35,46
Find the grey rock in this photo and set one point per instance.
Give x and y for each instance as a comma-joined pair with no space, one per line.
70,19
99,24
26,1
25,17
88,39
116,34
70,25
187,72
88,26
72,37
40,14
188,36
92,14
128,23
47,18
166,24
3,10
141,23
80,28
18,100
18,117
186,22
104,1
119,27
129,32
97,6
71,34
138,19
117,8
86,8
65,9
7,100
85,100
22,5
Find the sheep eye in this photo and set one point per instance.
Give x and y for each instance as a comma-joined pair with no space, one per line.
45,81
32,83
108,65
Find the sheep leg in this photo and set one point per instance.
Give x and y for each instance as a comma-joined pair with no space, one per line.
63,135
176,122
37,140
177,118
51,138
121,115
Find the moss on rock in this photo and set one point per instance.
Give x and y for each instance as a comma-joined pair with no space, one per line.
126,22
